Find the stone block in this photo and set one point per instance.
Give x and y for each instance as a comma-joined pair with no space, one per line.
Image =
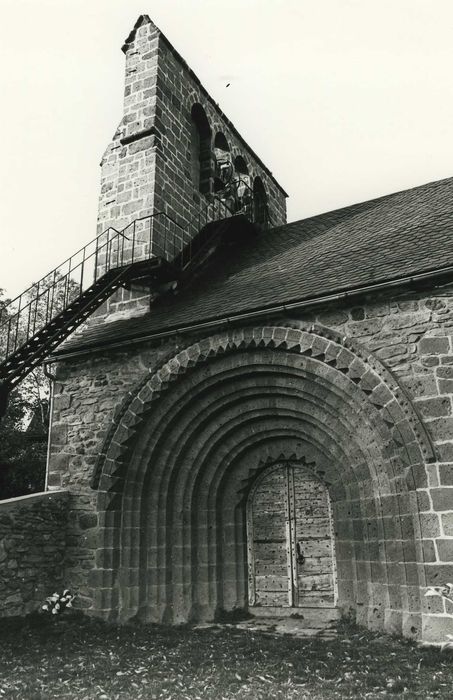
444,452
445,372
391,351
430,360
434,407
412,625
442,498
445,549
54,480
447,524
432,604
441,429
429,525
393,622
407,320
357,313
368,327
394,596
446,474
59,462
445,386
423,501
421,385
411,571
434,346
438,574
59,434
88,521
436,627
429,551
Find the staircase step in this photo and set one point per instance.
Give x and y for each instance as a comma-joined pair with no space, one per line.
20,361
310,615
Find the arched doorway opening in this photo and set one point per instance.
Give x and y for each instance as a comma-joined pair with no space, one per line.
290,543
177,468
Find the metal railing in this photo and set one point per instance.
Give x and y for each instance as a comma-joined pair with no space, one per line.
158,235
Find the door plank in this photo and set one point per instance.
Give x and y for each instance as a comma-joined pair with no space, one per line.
288,506
268,538
315,576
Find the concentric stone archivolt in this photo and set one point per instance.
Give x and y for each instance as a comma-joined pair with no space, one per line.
187,445
377,384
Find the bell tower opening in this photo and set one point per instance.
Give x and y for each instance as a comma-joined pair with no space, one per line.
200,149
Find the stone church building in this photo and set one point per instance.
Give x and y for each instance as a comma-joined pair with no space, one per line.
258,416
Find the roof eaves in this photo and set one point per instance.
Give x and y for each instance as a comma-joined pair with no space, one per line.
339,295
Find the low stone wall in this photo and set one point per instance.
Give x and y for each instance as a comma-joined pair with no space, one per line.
32,547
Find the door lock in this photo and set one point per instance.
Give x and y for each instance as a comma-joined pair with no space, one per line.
300,554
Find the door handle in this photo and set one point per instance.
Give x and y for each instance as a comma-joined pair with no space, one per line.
300,554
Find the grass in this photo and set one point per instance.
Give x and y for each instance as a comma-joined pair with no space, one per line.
75,657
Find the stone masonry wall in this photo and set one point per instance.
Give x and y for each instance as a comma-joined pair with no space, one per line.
411,333
32,549
177,91
148,165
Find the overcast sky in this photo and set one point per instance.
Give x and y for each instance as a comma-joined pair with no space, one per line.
344,100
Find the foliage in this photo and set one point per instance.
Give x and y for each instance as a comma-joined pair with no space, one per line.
23,451
83,659
56,603
23,430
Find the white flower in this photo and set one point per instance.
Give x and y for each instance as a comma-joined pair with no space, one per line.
58,602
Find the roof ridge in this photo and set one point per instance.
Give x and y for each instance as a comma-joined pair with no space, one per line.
374,200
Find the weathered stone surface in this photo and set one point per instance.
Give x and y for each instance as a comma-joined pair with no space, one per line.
176,430
436,627
445,475
32,549
88,521
435,407
434,346
442,498
447,524
445,549
156,171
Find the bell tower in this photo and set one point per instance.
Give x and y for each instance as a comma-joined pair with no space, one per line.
175,157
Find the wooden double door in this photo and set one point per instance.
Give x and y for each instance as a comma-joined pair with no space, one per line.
290,540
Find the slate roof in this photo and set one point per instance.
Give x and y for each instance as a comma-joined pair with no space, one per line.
379,240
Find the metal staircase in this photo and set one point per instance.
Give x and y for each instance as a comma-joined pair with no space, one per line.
150,250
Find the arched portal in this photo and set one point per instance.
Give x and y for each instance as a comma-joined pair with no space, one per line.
178,465
290,545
